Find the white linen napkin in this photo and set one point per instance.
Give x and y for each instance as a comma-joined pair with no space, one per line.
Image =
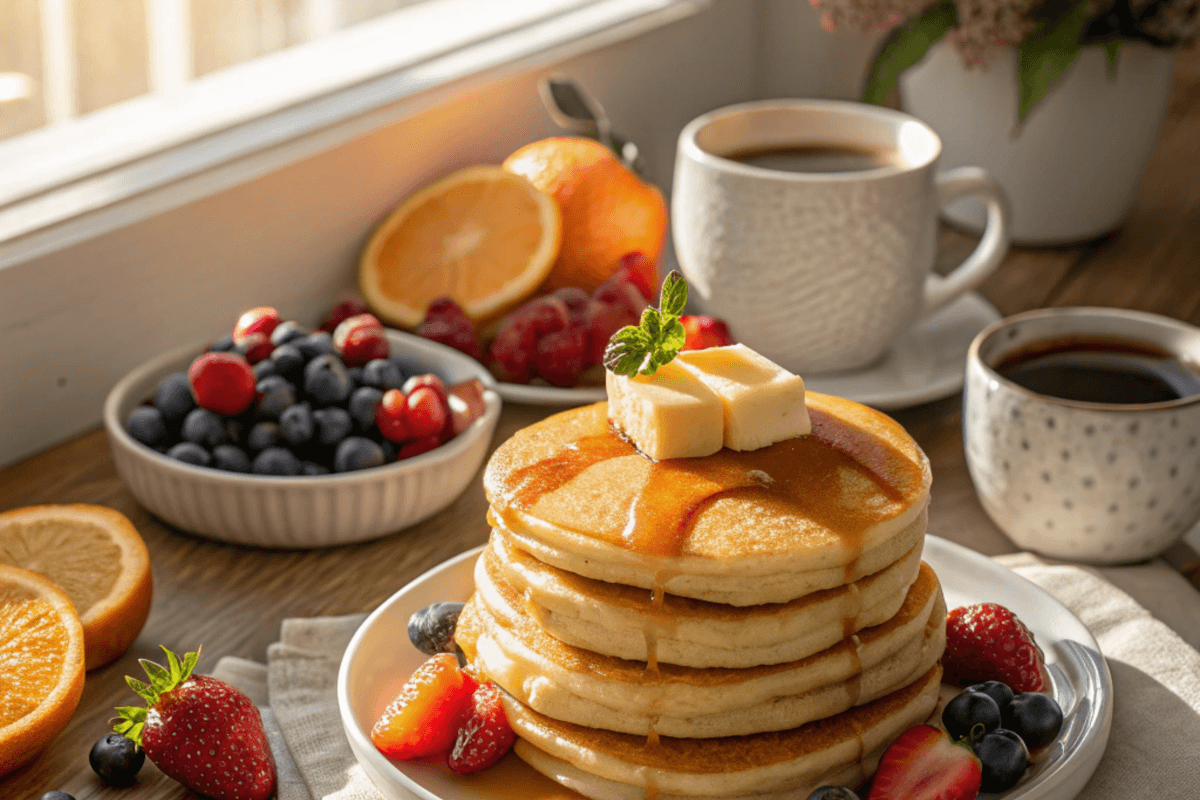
1156,674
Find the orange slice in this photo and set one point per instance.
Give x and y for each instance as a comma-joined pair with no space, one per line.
483,236
96,556
41,648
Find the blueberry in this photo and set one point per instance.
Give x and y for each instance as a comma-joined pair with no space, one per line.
263,435
355,452
970,715
296,423
264,368
1035,717
275,461
275,394
313,468
356,377
996,690
222,345
333,424
832,793
431,630
363,403
146,425
57,795
288,361
116,759
317,343
190,453
1004,760
230,458
204,428
287,331
174,397
238,428
382,374
326,381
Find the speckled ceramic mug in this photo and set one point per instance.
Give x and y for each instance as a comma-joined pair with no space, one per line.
819,270
1104,483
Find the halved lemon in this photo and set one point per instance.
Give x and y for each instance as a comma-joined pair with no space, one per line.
96,556
483,236
41,648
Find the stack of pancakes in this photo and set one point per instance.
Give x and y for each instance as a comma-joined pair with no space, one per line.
746,624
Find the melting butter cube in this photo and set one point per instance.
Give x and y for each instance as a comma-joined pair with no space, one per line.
670,414
762,403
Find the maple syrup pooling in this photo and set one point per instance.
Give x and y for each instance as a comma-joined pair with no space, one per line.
801,476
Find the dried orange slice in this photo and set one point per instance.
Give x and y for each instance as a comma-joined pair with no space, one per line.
97,557
41,648
483,236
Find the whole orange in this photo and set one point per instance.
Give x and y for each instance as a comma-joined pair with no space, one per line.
607,210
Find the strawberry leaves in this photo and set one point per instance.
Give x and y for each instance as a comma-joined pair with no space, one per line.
132,719
654,341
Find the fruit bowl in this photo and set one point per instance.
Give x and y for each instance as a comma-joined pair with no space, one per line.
299,511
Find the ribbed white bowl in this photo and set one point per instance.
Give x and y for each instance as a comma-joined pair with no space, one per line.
301,512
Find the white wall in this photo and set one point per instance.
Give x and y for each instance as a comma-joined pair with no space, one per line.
73,322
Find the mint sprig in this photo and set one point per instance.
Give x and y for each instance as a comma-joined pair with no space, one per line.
654,341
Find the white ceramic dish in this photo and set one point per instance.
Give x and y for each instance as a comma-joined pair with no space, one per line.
534,395
374,668
301,512
927,362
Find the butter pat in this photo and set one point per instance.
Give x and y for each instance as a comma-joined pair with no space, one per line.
671,414
762,403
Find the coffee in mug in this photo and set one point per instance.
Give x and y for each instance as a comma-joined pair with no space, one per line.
811,226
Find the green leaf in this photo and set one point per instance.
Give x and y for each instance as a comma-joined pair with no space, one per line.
160,679
626,350
143,691
673,298
132,720
189,664
1113,49
1046,55
906,45
173,663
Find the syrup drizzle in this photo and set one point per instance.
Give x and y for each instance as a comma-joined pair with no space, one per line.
797,476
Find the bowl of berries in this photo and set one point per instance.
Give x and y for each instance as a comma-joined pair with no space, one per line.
281,436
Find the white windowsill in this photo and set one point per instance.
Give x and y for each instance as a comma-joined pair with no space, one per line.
127,163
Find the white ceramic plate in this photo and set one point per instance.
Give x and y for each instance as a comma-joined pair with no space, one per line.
375,667
928,362
550,395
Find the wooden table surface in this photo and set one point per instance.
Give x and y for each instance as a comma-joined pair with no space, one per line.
232,599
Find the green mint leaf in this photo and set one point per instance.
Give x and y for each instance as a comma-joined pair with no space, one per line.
1113,50
1046,54
673,337
906,45
674,295
651,324
626,350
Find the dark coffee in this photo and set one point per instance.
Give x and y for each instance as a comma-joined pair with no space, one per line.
818,158
1101,371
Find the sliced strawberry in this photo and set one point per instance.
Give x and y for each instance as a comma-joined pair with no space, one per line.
263,319
703,332
986,642
425,717
923,764
485,735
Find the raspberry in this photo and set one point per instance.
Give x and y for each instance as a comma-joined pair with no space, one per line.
446,323
604,319
577,301
342,311
561,356
638,269
619,292
222,383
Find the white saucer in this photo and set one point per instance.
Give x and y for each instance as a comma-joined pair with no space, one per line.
375,667
926,363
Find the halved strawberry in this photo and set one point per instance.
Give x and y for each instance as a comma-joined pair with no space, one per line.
485,735
923,764
425,717
704,332
986,642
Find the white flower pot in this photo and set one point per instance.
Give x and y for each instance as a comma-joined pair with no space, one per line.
1073,169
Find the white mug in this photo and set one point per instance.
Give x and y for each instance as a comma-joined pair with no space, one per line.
819,271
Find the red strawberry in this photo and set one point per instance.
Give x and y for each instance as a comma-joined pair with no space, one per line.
389,416
263,319
222,383
986,642
923,764
484,736
466,405
360,339
704,332
200,731
424,718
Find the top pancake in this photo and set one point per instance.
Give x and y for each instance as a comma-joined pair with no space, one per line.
812,502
